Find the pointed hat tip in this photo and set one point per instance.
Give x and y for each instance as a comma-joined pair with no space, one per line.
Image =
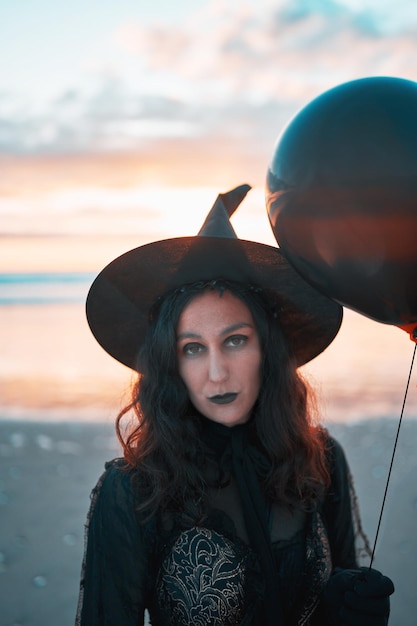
231,199
217,222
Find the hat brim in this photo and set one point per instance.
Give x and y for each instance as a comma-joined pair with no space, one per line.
119,299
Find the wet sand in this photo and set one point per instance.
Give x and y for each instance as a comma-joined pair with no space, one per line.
48,470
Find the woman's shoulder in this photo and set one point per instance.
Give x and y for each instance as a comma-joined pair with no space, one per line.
116,485
335,453
117,468
116,498
339,471
116,472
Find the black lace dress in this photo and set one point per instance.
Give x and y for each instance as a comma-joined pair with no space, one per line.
221,572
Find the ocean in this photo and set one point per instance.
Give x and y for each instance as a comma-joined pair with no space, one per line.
22,289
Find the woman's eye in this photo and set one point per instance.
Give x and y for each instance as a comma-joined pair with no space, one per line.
191,349
236,341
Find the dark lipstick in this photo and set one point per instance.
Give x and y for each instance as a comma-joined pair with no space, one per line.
225,398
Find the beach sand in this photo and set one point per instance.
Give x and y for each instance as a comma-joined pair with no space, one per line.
48,470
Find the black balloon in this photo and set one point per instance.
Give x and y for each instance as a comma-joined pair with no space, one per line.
341,196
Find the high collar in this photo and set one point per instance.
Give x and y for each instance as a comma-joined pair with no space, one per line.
218,436
239,442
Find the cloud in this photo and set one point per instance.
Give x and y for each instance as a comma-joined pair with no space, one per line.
231,70
250,58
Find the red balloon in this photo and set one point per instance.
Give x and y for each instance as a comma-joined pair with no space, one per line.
341,196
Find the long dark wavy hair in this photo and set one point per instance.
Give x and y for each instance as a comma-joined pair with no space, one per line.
163,440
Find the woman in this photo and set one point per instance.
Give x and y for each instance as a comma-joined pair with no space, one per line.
230,506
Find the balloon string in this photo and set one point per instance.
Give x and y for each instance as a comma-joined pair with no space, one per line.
393,455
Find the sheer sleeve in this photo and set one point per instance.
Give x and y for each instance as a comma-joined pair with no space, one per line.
113,579
338,509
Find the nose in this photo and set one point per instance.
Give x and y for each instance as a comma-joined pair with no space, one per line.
217,365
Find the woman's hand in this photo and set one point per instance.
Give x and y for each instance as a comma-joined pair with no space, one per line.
358,597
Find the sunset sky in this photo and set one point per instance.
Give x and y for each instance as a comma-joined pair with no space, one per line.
128,117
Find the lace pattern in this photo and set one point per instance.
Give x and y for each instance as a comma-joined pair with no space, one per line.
318,567
202,581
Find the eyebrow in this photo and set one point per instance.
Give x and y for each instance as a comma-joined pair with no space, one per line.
225,331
